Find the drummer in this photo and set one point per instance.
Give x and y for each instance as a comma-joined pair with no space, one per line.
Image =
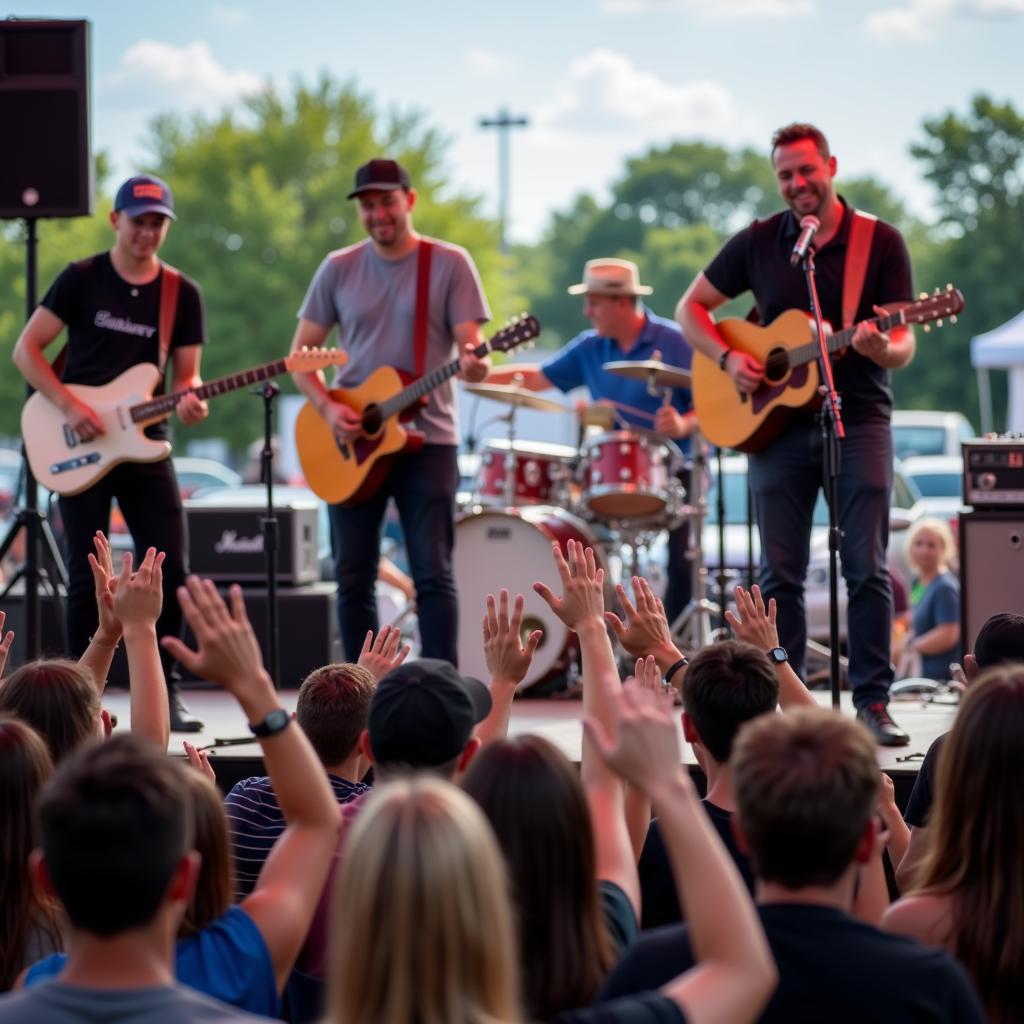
623,328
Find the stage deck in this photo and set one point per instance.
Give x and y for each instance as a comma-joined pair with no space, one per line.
558,720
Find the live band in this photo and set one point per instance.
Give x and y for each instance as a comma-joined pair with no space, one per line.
408,311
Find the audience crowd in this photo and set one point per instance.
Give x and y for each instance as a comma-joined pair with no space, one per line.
405,861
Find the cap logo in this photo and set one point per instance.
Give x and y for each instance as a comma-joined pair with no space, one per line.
147,190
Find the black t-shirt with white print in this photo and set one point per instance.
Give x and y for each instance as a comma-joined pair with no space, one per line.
114,324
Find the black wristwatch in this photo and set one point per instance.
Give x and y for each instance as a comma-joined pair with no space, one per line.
778,655
275,722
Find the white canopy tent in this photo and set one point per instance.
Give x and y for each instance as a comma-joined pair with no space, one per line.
1002,349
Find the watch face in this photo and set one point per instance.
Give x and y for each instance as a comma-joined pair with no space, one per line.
275,721
778,655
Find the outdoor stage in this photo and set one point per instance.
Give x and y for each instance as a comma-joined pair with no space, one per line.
558,720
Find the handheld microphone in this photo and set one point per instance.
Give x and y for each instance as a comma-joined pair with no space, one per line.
808,226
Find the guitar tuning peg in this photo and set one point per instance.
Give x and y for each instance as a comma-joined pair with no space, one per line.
936,292
952,319
949,286
923,295
927,328
938,323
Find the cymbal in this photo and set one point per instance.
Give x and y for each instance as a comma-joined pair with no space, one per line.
597,415
661,374
510,394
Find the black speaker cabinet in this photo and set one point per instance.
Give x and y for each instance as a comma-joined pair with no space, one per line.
51,635
47,168
307,628
991,569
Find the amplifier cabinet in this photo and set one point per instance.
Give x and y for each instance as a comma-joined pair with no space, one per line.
226,543
991,569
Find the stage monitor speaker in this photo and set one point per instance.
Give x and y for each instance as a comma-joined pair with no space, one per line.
51,637
307,628
47,168
991,569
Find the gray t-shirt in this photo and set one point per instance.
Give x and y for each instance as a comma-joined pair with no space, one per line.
56,1003
373,302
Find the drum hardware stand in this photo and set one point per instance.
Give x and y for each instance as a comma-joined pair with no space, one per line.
268,391
723,600
692,629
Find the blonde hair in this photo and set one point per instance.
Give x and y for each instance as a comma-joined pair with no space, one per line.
421,923
940,529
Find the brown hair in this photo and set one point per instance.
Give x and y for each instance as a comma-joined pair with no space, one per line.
421,923
535,803
797,132
215,885
806,785
58,698
977,838
25,766
726,685
332,707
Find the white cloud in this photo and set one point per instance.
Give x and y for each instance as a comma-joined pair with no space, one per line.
189,74
716,10
222,14
487,62
921,20
606,92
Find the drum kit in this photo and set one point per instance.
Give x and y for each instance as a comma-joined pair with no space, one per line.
615,493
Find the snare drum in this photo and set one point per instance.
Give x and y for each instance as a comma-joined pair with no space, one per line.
626,476
511,548
541,473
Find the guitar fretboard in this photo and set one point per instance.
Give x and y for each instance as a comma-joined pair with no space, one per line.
415,391
802,354
164,404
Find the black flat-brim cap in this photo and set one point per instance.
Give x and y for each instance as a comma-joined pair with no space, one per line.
380,175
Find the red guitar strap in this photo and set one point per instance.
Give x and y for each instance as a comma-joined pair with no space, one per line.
169,287
426,248
858,249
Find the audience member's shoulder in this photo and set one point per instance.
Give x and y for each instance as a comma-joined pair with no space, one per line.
656,957
924,916
649,1008
254,787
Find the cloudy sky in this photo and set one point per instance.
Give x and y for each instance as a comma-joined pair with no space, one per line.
599,80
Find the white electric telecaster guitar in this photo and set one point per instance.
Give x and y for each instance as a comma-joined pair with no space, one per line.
67,465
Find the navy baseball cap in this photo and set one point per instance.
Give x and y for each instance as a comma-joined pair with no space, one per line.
379,175
423,712
145,193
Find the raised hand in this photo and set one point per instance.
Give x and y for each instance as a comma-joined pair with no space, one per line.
755,624
508,658
379,656
228,652
5,643
138,598
108,630
642,745
647,675
582,585
646,630
200,760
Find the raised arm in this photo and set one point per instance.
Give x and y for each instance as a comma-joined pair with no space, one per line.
646,630
735,973
525,375
581,608
103,643
293,876
508,661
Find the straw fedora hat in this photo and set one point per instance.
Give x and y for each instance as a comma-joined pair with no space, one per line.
610,277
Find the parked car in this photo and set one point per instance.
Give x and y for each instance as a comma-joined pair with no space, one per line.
919,432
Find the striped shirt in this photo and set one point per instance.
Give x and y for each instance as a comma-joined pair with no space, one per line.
255,822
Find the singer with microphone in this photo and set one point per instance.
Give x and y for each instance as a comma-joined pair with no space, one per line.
765,259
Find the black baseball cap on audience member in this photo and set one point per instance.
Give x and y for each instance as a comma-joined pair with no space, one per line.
380,175
145,193
423,713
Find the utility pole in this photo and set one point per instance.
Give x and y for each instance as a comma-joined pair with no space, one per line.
504,123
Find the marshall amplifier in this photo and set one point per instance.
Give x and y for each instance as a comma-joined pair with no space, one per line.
994,472
226,543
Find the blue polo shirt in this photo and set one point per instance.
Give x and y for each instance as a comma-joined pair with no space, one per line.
580,363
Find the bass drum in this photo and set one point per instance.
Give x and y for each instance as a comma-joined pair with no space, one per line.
511,548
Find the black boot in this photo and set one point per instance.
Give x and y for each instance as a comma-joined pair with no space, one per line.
885,731
182,720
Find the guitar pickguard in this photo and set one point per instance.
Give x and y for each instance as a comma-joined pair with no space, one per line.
767,393
362,447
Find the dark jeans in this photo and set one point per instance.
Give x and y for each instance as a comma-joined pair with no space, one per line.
149,498
423,486
784,481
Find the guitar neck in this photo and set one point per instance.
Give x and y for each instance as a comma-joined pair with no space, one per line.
841,339
418,388
164,404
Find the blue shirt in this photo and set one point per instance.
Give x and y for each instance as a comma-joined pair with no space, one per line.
228,960
938,605
580,363
255,823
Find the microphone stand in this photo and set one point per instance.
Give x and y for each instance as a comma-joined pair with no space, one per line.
832,432
268,525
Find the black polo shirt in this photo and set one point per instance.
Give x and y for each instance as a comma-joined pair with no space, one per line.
757,260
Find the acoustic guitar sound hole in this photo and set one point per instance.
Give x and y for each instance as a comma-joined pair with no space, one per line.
371,421
776,366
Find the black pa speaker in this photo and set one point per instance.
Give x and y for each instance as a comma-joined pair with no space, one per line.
991,569
47,168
